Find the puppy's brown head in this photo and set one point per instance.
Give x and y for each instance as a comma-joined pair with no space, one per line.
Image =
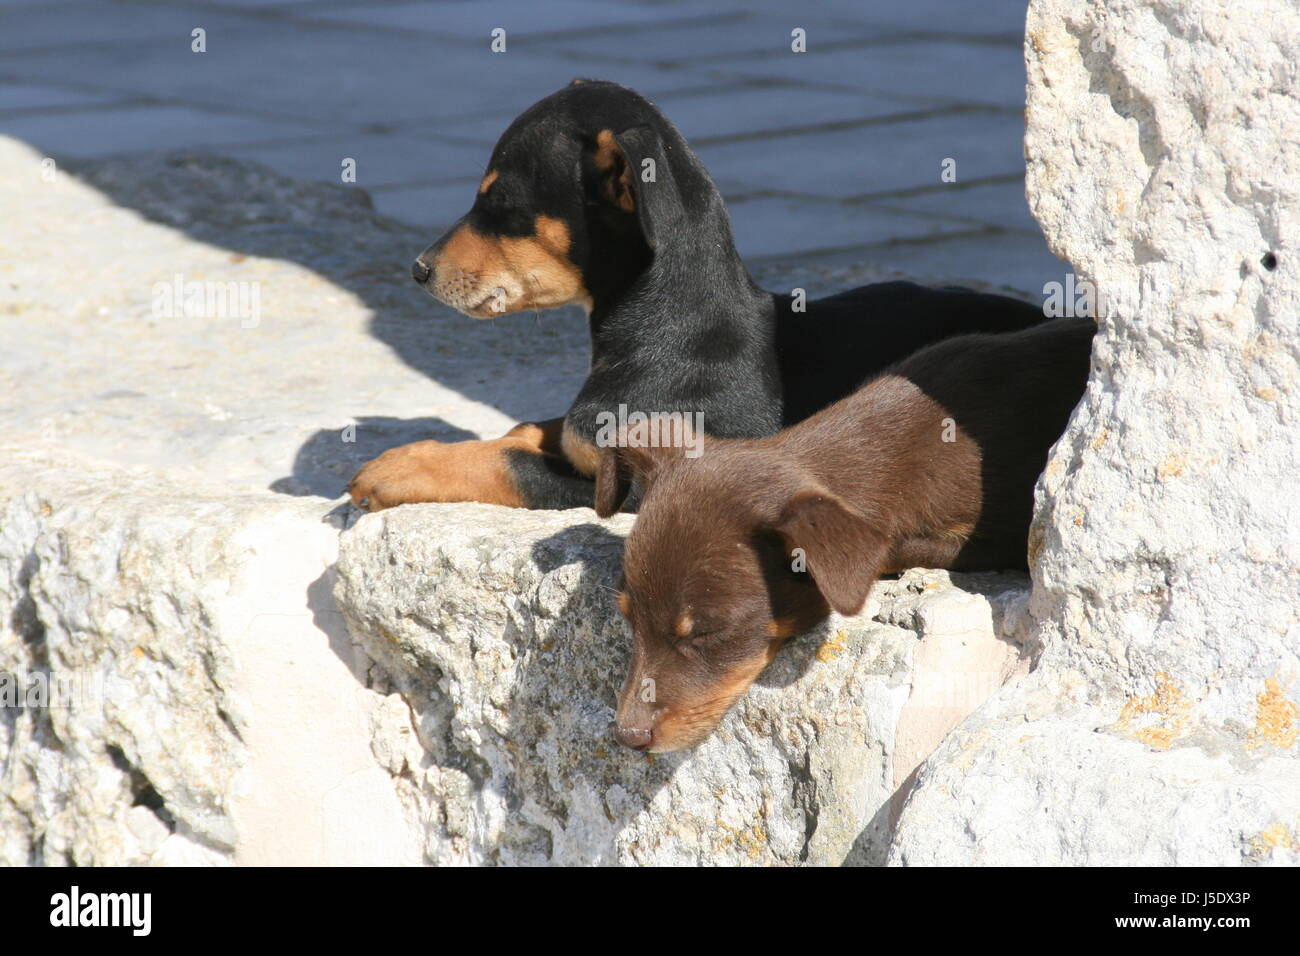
732,553
561,216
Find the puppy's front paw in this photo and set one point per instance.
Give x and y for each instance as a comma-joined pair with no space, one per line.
436,471
403,475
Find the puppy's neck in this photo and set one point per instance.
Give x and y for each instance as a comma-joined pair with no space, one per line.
692,284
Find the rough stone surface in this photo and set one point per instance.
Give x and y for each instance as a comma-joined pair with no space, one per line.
200,704
502,638
1159,724
167,570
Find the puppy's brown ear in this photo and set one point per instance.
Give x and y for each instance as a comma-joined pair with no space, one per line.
617,469
842,552
613,482
636,453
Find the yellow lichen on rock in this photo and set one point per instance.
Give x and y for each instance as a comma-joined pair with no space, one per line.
1171,467
1157,719
752,840
1275,721
832,647
1276,837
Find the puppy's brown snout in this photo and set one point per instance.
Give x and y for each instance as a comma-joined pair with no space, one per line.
638,738
420,272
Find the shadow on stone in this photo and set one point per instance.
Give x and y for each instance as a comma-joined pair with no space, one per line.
871,848
328,459
631,779
333,230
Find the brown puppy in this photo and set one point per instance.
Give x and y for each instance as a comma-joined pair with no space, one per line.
931,464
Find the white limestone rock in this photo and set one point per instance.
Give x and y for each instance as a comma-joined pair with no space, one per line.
202,706
164,565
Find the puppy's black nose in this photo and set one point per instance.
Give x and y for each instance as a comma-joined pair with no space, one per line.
420,272
638,738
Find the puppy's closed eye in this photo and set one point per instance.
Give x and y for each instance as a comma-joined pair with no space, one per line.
700,640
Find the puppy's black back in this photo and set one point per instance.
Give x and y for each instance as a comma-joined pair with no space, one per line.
845,339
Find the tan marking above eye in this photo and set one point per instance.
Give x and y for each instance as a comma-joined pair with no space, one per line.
487,182
685,624
553,234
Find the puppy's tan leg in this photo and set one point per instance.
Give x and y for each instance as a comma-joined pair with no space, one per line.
522,469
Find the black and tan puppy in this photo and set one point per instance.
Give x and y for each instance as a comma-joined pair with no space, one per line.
932,464
591,197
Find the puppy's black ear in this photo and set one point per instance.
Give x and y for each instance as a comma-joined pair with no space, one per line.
614,171
659,206
617,469
636,176
842,552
